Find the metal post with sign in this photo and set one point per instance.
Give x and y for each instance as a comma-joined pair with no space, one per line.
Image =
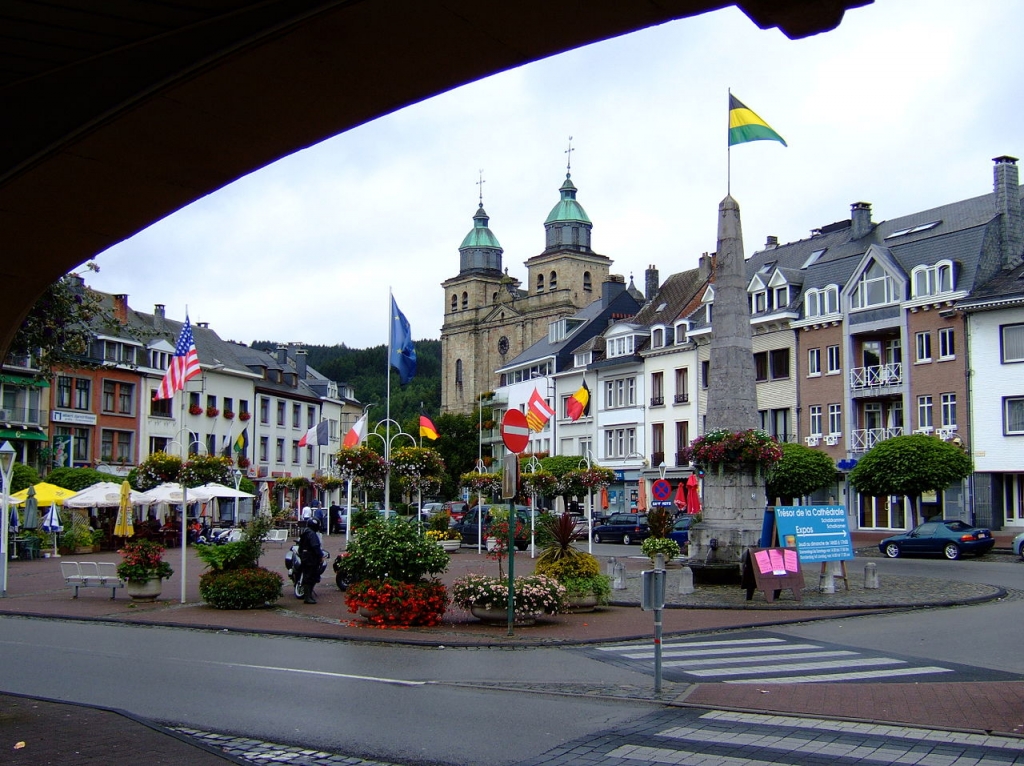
515,434
652,598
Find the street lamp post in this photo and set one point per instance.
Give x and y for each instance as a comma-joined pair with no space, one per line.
6,466
588,461
238,480
388,446
533,465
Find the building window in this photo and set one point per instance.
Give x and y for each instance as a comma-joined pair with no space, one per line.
682,438
65,386
160,408
682,385
310,417
622,346
833,360
874,288
657,389
264,449
948,403
243,407
620,392
279,451
211,402
82,394
924,412
193,399
705,373
821,302
815,419
759,302
309,456
658,338
1012,343
813,362
781,297
657,443
553,281
455,303
947,346
465,301
118,398
264,410
924,346
296,416
540,283
779,363
588,283
835,418
280,413
932,280
619,442
1013,415
761,366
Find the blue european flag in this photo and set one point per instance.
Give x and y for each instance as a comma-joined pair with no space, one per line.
403,353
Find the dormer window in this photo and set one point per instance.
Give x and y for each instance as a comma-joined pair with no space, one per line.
621,346
781,296
759,302
874,288
821,302
563,328
932,280
583,358
681,330
658,338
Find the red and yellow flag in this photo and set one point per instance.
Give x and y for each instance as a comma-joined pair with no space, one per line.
427,429
538,412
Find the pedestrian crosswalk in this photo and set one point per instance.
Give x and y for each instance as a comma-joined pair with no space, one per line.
733,738
759,658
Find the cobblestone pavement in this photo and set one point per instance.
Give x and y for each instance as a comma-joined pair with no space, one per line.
257,751
732,738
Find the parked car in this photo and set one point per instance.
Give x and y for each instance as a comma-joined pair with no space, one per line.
457,509
625,528
429,509
950,537
1018,545
470,526
681,530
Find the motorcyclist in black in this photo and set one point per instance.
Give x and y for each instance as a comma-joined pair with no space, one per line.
310,559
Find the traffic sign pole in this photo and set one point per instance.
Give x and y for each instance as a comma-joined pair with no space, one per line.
515,433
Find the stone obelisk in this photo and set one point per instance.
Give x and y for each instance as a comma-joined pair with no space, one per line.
734,497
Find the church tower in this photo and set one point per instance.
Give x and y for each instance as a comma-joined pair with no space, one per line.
489,319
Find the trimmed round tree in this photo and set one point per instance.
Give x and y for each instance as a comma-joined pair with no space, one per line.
801,471
908,466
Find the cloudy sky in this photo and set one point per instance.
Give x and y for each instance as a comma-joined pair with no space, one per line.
903,106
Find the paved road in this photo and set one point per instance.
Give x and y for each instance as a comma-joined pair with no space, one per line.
750,657
723,738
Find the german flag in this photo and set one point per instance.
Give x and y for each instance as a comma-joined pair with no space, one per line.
745,125
579,403
427,429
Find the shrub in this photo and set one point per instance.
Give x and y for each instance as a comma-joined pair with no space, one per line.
556,535
141,561
391,602
659,522
249,588
391,548
598,585
583,565
652,546
533,594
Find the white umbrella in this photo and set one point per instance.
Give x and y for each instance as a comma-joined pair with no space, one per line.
31,509
163,493
105,494
213,489
265,498
51,523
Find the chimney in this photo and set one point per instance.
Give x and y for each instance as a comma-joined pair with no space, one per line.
203,325
121,308
159,315
651,282
860,220
1008,208
610,290
706,266
282,355
771,243
300,363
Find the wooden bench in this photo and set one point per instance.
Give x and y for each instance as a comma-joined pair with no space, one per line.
91,574
279,536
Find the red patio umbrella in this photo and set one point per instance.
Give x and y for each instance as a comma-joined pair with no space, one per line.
641,498
680,501
693,494
604,498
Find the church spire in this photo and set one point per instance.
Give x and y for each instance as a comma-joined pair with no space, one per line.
480,249
567,225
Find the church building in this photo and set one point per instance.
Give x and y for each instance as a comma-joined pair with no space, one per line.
491,317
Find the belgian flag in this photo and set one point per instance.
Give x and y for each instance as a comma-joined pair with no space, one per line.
427,429
579,403
745,125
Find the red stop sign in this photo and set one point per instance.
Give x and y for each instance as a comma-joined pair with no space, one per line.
514,431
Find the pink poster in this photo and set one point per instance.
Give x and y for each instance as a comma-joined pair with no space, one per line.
777,564
764,563
792,563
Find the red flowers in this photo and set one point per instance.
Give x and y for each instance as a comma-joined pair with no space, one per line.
390,602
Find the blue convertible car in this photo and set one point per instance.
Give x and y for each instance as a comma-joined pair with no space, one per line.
950,537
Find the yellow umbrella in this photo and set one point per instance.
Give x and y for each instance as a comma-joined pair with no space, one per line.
46,494
124,527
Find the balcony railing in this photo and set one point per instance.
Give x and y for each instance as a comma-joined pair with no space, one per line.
863,439
682,399
681,460
25,416
657,458
875,380
657,401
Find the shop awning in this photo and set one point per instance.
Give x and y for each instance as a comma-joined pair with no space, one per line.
22,380
17,433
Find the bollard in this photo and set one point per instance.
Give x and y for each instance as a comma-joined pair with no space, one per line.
870,576
686,581
609,566
619,578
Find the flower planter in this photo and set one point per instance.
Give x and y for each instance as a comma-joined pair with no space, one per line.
491,616
144,591
450,546
585,603
492,543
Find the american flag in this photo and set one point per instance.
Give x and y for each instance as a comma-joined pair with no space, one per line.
184,364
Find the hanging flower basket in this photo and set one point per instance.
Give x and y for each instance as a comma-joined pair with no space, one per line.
212,412
243,416
228,414
195,409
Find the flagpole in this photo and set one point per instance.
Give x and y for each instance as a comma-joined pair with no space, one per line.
728,151
184,494
387,419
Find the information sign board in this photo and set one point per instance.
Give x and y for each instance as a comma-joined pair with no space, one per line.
818,532
771,570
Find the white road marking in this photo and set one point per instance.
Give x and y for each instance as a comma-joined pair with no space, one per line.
326,674
852,676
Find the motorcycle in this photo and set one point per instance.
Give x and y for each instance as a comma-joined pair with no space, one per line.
294,568
340,577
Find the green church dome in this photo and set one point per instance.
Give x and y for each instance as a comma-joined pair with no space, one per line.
567,208
480,235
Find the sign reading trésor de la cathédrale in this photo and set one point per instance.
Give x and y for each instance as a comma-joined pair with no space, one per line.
818,532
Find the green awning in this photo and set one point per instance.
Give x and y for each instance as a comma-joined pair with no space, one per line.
22,380
17,433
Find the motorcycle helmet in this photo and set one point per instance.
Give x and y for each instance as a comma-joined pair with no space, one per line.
313,524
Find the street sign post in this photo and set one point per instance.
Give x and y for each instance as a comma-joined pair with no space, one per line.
661,490
515,433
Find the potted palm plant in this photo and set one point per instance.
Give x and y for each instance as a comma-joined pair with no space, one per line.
578,571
